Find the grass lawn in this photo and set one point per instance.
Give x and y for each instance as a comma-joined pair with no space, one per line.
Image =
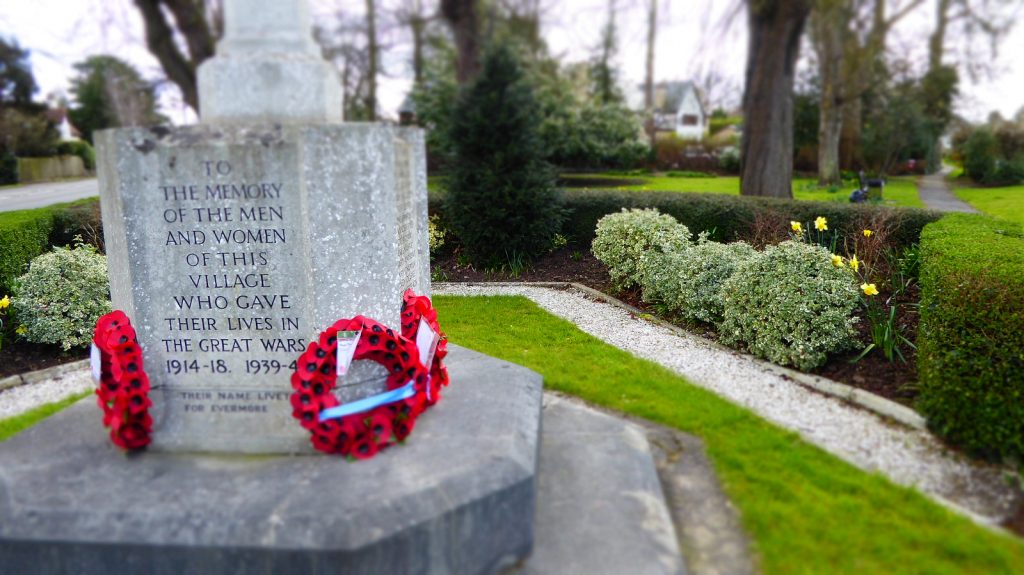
806,510
1006,203
12,425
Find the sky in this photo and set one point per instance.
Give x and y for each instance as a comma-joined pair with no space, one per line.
694,37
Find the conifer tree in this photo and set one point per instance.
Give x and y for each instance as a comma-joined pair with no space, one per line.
501,202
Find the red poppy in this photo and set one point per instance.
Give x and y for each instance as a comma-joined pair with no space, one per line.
364,447
131,436
380,425
402,428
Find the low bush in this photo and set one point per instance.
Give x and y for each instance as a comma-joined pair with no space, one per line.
623,241
971,336
688,283
62,295
790,305
79,219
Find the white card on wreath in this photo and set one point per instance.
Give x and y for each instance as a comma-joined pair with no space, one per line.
96,363
426,342
347,342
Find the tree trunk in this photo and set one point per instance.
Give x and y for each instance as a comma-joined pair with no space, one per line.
937,41
417,24
767,147
652,29
462,18
828,23
371,68
160,41
851,156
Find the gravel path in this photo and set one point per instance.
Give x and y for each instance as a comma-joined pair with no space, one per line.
25,397
904,455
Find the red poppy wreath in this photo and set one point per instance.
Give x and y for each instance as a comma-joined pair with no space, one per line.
361,428
123,390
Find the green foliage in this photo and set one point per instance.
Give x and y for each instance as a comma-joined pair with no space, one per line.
623,242
8,168
688,283
109,92
81,149
26,132
588,135
729,160
24,235
971,335
16,81
788,492
719,123
62,295
435,234
501,199
790,305
980,153
898,128
886,335
78,221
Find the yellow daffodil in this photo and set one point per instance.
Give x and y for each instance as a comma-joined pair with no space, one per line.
22,330
5,302
869,289
837,261
796,227
867,233
821,224
854,263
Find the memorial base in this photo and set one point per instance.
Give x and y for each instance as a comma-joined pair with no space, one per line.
457,497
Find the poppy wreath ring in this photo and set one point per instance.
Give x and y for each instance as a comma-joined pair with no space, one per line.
123,390
362,434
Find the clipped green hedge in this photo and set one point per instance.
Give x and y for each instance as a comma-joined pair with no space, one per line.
24,234
971,337
727,217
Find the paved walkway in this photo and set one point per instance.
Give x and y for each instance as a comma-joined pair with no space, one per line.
39,195
935,194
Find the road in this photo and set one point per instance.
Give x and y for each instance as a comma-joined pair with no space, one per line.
39,195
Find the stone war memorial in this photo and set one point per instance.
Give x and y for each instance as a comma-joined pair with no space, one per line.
234,246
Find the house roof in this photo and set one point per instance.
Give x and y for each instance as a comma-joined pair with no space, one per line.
669,95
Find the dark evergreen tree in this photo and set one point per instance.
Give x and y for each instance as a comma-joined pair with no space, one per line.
501,202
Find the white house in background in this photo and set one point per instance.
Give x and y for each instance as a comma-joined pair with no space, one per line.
679,108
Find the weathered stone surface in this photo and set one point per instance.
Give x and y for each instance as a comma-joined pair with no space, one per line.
600,505
268,69
230,248
458,497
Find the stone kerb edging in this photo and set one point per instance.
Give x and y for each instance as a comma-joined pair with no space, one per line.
54,372
876,404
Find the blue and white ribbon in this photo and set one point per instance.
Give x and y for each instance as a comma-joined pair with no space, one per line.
367,403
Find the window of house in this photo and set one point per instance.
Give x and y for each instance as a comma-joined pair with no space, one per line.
690,119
